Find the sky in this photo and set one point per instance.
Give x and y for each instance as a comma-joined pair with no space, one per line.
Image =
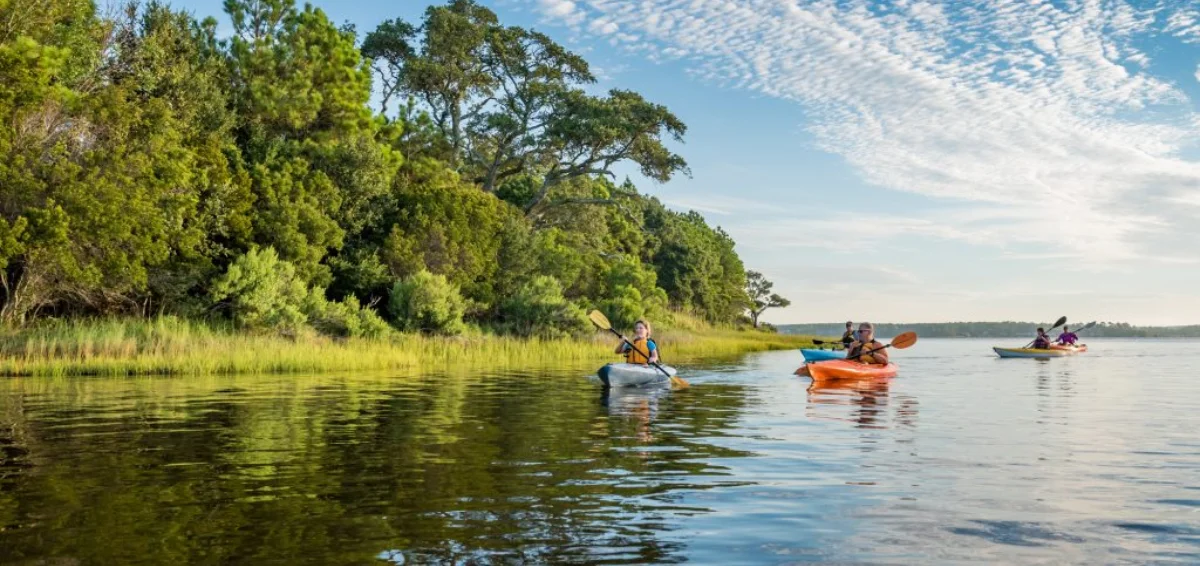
911,161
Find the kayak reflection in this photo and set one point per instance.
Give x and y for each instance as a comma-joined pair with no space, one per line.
868,400
640,404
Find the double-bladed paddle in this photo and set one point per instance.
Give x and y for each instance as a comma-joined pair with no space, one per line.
602,323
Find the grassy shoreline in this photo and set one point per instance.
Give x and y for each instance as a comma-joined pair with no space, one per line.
171,346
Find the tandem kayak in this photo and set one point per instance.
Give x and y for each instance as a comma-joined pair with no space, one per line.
811,355
1053,352
633,375
845,369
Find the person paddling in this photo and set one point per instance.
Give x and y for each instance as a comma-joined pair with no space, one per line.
642,345
1067,338
1042,342
866,342
848,335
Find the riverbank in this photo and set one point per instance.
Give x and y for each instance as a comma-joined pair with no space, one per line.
172,346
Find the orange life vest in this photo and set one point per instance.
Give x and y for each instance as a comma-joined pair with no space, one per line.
634,355
867,358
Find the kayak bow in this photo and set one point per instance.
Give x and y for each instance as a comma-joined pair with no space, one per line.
811,355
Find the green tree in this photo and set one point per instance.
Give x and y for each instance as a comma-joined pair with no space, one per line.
259,290
539,309
761,297
424,302
510,103
307,137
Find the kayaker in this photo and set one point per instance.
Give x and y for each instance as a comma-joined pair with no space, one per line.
642,344
1042,342
848,335
866,342
1067,338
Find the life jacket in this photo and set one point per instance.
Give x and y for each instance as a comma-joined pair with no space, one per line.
868,347
1042,343
634,355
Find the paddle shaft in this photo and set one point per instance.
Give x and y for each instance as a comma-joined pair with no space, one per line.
635,348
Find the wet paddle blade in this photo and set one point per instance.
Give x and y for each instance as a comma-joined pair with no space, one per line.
679,381
600,320
904,340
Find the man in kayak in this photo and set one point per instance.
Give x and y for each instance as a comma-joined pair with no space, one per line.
1042,342
642,344
848,335
873,352
1067,338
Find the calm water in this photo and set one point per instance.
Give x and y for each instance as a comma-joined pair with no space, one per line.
963,458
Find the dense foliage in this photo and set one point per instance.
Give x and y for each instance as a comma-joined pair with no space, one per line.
149,166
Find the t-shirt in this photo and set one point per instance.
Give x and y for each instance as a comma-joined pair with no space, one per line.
1068,338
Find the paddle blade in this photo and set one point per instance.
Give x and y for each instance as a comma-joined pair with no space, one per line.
679,381
1060,322
904,340
600,320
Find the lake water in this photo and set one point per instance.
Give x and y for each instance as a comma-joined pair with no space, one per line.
963,458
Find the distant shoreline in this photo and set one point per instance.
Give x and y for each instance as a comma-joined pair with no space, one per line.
996,330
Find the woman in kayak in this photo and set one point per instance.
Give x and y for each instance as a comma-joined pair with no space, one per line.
848,335
871,350
1067,338
1042,342
642,345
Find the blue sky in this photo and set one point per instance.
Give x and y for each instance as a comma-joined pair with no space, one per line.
918,161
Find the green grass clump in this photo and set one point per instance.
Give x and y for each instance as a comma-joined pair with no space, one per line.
174,346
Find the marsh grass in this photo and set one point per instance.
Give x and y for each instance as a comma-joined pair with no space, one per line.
173,346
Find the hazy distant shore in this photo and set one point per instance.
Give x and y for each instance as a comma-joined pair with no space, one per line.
996,329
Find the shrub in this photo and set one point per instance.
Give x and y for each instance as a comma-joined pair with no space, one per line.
343,318
540,309
261,291
427,303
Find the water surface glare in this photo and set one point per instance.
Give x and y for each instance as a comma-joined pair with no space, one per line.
964,458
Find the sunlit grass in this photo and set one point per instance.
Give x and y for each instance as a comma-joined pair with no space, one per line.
172,346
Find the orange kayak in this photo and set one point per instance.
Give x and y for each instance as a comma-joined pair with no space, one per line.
844,369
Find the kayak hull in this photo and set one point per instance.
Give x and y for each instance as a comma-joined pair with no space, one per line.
633,375
812,355
1054,352
845,369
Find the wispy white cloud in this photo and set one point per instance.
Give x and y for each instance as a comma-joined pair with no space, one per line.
1036,122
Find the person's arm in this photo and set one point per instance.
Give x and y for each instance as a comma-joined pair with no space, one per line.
879,353
653,351
621,347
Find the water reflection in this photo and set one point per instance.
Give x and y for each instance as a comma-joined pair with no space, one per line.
436,468
864,402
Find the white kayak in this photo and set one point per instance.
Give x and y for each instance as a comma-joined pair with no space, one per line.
633,375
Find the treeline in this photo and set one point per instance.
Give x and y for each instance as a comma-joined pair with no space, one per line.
998,330
148,166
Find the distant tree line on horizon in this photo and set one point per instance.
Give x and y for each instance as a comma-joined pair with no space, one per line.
151,166
1006,329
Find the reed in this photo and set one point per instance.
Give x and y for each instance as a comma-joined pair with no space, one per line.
174,346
